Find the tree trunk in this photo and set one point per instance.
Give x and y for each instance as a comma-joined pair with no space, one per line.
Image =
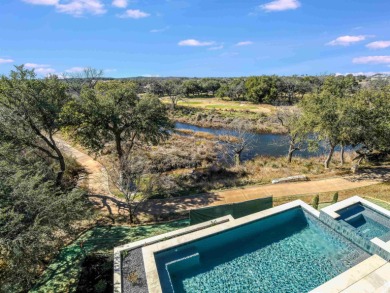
60,174
118,145
291,150
237,158
355,168
329,157
342,155
290,155
61,160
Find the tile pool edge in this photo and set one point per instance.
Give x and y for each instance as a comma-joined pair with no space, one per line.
148,252
152,240
329,216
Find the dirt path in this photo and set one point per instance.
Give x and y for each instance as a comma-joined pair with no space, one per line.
253,192
97,181
102,197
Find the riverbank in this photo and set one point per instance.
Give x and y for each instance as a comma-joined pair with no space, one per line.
221,116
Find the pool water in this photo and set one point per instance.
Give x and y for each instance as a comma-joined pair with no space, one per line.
366,222
288,252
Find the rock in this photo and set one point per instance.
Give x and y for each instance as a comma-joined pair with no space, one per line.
290,179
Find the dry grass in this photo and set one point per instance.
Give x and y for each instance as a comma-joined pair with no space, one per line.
265,169
219,104
377,191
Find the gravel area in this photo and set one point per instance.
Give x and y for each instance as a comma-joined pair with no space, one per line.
133,272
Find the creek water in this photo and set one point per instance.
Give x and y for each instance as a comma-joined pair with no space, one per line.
261,144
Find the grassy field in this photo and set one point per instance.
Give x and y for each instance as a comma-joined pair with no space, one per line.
219,104
63,273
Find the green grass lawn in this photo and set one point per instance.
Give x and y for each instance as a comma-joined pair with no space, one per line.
62,274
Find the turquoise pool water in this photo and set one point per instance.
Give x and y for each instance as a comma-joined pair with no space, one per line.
288,252
366,222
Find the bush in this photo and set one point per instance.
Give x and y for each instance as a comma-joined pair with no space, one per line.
96,274
335,197
316,201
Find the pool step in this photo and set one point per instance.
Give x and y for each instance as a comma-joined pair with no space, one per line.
187,262
184,259
354,217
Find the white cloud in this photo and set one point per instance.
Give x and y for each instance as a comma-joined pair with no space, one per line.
369,73
119,3
136,14
80,7
73,7
245,43
372,60
280,5
75,70
35,65
42,2
195,43
42,69
346,40
159,30
378,45
220,47
3,61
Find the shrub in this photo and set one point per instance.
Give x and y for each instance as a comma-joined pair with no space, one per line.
335,197
315,201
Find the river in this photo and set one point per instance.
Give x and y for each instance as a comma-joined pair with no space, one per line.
261,144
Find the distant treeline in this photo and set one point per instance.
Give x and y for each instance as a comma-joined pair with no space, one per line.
273,89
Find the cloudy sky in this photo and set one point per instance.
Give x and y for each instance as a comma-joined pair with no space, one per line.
196,37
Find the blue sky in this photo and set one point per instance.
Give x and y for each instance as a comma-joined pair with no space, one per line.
196,37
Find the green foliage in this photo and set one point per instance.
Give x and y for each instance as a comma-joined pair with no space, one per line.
30,112
112,111
315,201
62,274
261,89
335,197
35,216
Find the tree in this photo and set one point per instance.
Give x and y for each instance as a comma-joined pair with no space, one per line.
113,112
35,216
191,87
324,116
290,120
262,89
156,88
233,89
87,77
30,111
239,141
292,87
136,183
211,85
368,116
174,91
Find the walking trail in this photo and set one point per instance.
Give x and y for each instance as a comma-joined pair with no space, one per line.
101,197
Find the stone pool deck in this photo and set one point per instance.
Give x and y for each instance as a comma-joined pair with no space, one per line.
369,276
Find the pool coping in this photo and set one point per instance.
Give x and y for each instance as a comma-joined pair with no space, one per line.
119,250
148,252
375,245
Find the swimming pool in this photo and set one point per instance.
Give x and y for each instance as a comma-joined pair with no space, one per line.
291,251
366,222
